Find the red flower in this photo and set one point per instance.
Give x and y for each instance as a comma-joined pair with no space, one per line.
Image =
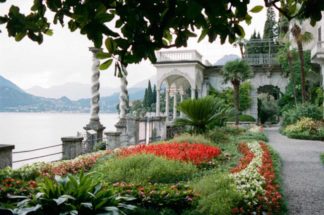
194,153
244,161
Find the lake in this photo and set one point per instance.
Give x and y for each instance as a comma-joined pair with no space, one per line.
34,130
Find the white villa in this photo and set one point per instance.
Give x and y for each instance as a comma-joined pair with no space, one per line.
186,71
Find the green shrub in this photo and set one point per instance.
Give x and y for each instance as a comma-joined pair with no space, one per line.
144,168
253,136
243,118
218,135
99,146
322,158
305,128
189,138
159,197
218,194
303,110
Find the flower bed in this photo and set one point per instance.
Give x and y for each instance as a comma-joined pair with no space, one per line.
305,128
255,180
194,153
81,163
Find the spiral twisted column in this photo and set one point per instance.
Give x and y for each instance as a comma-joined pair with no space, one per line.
123,97
94,123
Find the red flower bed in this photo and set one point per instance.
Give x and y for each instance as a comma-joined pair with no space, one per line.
272,196
194,153
244,161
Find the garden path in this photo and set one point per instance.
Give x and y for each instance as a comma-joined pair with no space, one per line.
302,172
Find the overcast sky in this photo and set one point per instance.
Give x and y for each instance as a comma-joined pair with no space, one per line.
64,57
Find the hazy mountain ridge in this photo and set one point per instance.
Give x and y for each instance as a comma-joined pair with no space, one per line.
226,58
14,99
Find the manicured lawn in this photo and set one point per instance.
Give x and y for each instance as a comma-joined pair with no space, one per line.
225,171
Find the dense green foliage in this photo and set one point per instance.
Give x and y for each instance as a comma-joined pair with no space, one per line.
218,194
73,195
134,30
292,115
144,168
149,97
203,113
227,95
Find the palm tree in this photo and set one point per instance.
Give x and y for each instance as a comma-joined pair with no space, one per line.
300,39
202,114
236,72
241,43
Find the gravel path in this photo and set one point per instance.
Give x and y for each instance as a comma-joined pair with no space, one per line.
302,172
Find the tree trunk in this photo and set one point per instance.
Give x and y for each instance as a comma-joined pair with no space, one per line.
292,75
302,70
236,85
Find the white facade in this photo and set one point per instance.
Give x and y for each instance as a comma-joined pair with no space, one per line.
184,70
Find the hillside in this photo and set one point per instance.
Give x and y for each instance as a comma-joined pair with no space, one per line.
14,99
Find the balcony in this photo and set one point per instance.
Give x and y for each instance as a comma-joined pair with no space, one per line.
261,59
317,53
184,55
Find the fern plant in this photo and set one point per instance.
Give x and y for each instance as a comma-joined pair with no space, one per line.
203,114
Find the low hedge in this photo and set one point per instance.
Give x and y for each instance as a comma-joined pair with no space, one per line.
305,136
243,118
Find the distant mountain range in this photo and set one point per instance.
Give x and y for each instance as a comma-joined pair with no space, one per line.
226,58
14,99
73,91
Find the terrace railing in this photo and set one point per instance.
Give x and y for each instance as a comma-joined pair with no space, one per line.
184,55
261,59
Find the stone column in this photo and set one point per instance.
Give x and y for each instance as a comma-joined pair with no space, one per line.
193,93
123,97
158,102
322,71
6,155
94,123
167,104
253,111
181,100
113,140
175,105
72,147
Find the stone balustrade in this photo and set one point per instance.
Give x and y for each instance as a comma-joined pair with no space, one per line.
72,147
6,155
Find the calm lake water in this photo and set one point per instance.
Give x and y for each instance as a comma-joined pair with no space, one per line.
34,130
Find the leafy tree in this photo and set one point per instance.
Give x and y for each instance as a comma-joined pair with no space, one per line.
133,30
227,95
203,114
270,30
300,39
236,72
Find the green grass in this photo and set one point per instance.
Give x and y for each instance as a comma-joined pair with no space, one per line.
144,168
322,157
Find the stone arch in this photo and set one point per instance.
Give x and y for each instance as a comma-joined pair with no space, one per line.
175,72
